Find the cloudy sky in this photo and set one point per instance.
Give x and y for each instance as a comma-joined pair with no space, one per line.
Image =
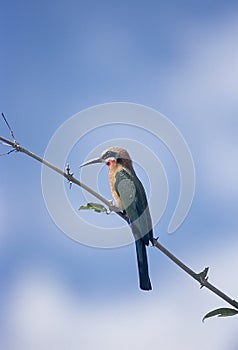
59,58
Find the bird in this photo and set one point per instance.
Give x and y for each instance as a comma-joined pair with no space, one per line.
130,197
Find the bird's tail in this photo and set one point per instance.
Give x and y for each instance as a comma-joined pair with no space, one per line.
142,265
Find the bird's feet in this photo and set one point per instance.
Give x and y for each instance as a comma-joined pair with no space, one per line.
112,207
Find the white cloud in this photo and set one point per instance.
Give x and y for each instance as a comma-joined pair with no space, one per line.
203,90
207,76
43,315
4,208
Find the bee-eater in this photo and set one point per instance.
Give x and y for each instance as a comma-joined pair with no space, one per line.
130,197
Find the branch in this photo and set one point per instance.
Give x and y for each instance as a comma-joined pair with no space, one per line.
199,277
67,174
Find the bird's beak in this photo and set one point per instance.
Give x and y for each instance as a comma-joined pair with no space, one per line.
92,161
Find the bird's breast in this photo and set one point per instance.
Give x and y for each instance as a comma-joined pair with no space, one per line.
112,178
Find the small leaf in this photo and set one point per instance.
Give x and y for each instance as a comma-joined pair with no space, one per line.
222,312
99,208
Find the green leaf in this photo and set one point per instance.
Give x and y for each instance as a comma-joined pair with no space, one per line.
99,208
222,312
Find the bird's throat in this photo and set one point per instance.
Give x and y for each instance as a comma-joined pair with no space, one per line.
114,168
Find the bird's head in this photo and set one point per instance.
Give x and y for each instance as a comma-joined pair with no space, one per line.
113,156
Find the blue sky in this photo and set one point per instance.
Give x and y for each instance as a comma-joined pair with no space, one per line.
58,58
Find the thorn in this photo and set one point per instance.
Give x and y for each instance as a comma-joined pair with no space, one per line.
202,282
67,169
203,277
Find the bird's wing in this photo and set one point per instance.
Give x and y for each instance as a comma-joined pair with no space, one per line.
133,199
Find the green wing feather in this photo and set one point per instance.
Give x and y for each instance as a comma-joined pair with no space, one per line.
133,197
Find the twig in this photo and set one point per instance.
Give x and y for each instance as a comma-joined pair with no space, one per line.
66,174
199,277
8,125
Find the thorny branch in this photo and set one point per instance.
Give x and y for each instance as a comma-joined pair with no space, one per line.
199,277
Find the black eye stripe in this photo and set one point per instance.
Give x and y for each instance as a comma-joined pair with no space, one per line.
109,154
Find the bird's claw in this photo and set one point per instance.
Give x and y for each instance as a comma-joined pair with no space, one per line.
112,207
